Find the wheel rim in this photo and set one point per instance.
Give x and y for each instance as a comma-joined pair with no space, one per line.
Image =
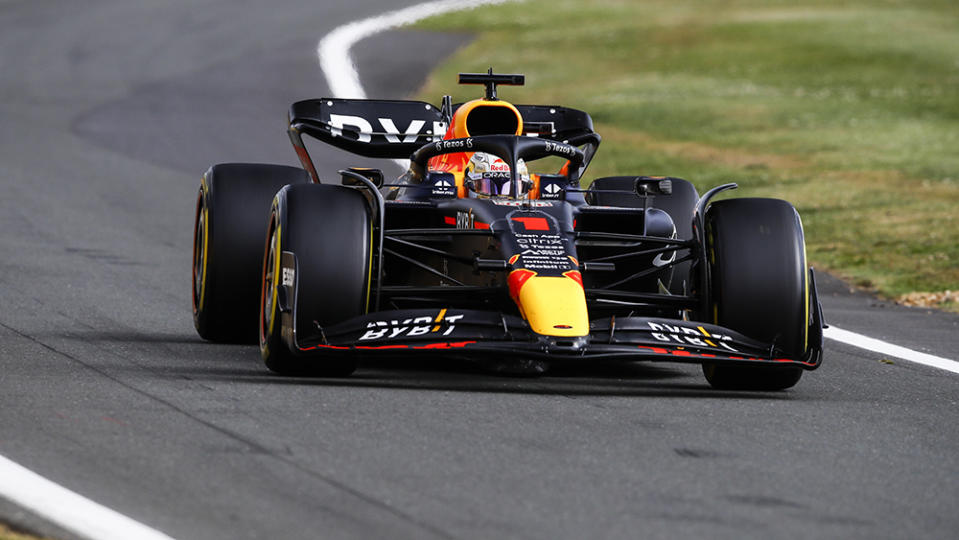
268,295
199,252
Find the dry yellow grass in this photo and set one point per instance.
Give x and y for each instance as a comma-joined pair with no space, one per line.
8,534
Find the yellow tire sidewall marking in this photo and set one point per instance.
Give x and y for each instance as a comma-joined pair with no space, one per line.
204,190
274,285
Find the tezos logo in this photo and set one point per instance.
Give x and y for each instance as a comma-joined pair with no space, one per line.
564,149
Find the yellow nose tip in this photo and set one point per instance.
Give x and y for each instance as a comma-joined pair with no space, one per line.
553,306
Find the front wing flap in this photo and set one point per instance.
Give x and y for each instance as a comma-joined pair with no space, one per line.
483,333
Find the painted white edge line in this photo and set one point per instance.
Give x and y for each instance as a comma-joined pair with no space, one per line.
334,49
67,509
888,349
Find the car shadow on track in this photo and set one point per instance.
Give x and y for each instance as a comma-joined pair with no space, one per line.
455,375
189,357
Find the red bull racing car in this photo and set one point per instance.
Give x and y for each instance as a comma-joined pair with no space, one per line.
488,248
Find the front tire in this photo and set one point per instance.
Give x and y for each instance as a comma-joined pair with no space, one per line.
759,286
328,230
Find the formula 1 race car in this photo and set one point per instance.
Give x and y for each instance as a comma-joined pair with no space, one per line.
488,248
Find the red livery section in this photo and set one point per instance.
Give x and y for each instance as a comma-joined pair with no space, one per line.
533,223
457,345
428,346
575,276
707,356
516,280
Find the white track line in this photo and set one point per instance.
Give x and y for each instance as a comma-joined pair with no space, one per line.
334,48
888,349
67,509
344,82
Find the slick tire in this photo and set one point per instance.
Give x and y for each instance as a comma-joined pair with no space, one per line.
759,286
229,228
328,229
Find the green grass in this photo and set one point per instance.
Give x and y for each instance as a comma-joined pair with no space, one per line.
9,534
850,111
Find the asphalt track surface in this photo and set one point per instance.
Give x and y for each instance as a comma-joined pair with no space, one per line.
109,113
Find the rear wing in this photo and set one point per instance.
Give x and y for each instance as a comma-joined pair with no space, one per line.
368,127
557,123
397,128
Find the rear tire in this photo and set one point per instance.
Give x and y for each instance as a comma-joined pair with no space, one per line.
328,229
231,210
760,286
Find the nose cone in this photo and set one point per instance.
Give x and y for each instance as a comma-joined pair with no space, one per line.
553,306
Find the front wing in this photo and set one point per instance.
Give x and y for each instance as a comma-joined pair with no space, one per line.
478,334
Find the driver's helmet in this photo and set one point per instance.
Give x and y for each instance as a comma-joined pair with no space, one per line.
488,175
